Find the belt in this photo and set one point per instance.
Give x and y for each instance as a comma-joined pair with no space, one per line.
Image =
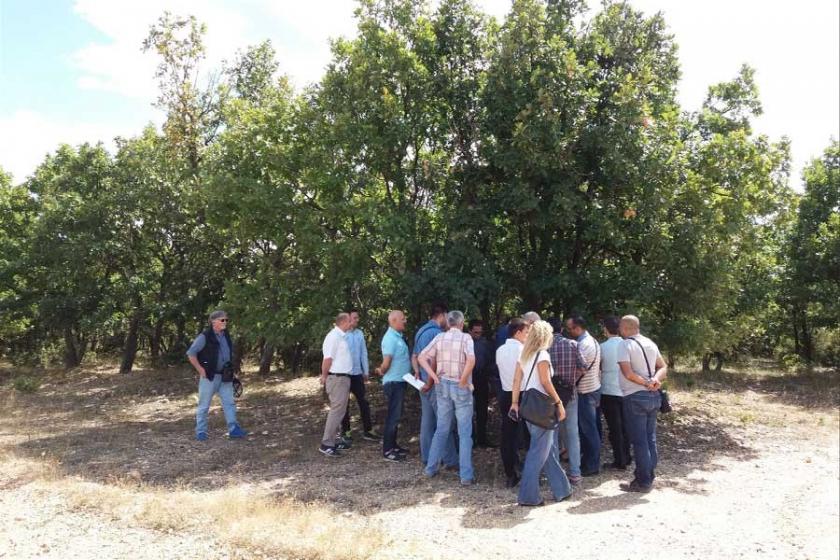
340,374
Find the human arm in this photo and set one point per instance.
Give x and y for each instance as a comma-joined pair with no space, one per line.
517,381
192,354
386,365
661,373
464,381
630,375
326,364
364,359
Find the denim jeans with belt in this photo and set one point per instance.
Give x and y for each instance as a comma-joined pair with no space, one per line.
640,411
542,457
452,400
428,425
394,393
206,390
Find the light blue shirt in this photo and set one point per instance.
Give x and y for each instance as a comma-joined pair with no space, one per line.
425,335
394,345
358,351
610,371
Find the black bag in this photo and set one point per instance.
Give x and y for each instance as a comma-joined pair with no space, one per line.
227,372
237,387
665,400
536,407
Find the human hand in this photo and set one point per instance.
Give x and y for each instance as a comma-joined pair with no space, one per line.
464,384
323,380
561,412
202,373
427,387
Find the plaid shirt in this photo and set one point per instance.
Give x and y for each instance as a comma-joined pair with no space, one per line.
449,351
565,359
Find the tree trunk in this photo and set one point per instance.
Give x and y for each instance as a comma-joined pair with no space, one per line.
266,358
71,352
130,346
671,361
719,364
155,344
239,351
707,361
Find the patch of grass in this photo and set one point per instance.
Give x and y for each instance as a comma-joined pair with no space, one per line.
242,515
26,384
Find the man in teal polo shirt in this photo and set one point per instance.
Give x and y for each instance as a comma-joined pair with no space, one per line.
396,362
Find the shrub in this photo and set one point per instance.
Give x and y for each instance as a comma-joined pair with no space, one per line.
26,383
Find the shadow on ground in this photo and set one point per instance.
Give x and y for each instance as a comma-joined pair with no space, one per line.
104,427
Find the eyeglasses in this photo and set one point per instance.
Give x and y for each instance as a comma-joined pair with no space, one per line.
222,320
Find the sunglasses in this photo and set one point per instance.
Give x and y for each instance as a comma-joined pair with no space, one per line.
222,320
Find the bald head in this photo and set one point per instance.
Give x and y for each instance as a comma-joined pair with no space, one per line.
629,325
342,321
396,320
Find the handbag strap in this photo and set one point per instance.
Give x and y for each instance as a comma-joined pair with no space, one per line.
642,348
537,355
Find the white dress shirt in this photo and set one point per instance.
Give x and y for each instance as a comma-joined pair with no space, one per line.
506,357
336,347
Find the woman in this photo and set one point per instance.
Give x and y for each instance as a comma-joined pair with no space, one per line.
542,454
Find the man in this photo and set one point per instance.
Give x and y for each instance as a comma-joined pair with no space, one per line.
454,355
210,355
395,364
531,317
482,373
335,377
501,336
359,375
642,372
428,401
565,359
611,395
589,393
507,357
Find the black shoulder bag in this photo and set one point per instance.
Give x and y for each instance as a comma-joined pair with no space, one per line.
665,404
565,391
536,407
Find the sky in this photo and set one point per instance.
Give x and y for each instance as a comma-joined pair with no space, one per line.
72,71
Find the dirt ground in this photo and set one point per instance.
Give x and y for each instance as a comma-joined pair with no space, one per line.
95,464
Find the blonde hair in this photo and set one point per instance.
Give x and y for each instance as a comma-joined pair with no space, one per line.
539,338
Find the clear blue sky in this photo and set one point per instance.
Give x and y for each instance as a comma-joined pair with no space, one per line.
72,70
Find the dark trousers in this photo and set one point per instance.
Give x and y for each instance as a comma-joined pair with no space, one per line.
357,388
590,441
509,446
481,398
613,408
394,393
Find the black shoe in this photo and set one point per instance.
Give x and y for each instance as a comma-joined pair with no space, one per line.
343,445
613,467
371,436
393,456
590,473
329,451
401,451
634,486
512,481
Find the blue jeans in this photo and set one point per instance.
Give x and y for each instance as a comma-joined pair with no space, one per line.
542,456
394,393
640,420
570,436
457,402
590,439
206,390
428,424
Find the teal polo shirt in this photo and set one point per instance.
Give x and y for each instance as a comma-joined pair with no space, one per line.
394,345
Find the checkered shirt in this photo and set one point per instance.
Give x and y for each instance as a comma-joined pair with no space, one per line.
449,351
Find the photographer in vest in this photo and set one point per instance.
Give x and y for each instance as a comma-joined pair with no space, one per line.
210,354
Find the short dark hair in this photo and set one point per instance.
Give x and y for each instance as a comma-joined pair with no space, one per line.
515,325
577,320
556,324
611,323
475,323
353,310
438,309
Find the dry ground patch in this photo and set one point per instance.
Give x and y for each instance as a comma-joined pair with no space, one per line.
748,447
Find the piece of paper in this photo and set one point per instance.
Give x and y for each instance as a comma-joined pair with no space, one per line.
416,383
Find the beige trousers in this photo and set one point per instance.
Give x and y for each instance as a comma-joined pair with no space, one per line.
338,391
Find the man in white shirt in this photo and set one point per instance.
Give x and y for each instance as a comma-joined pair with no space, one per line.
507,356
611,395
335,377
642,372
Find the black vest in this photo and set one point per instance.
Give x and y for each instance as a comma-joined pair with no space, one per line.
209,355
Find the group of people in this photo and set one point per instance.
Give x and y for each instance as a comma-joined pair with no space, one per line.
454,369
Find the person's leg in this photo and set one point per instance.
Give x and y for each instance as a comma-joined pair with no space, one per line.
228,403
590,443
389,433
428,422
338,390
509,446
205,397
538,452
557,479
611,405
445,415
653,411
481,395
364,405
636,416
570,429
463,415
398,396
345,422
